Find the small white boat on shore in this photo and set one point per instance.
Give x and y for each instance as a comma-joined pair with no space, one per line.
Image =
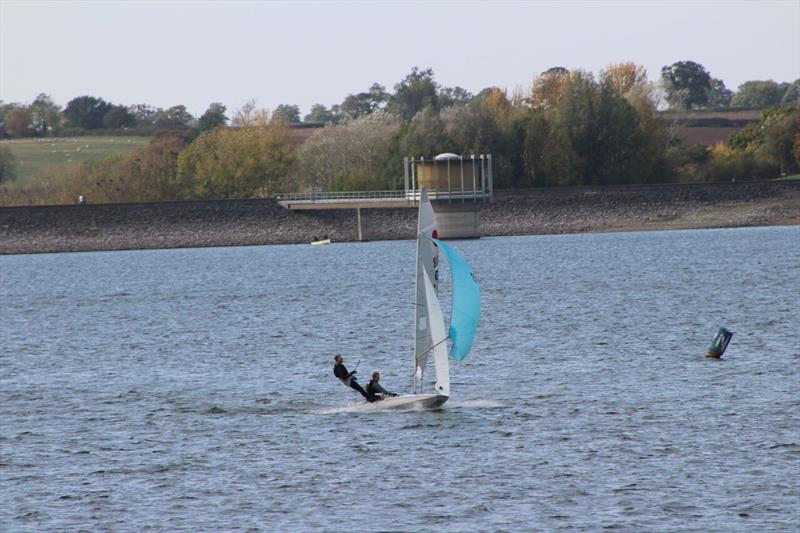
320,242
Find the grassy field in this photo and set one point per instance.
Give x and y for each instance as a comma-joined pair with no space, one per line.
48,158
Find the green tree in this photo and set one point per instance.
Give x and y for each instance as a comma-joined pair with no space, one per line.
6,108
792,94
618,157
46,116
213,117
144,115
414,93
86,112
483,127
759,94
365,103
760,150
426,135
290,113
450,96
780,138
118,117
534,150
475,127
319,114
176,117
719,96
576,115
605,131
548,154
686,84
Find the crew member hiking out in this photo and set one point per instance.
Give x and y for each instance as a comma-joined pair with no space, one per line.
349,378
375,388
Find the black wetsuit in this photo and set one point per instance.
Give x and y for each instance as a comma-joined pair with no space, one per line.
373,387
340,371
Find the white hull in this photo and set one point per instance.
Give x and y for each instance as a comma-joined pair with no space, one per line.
407,402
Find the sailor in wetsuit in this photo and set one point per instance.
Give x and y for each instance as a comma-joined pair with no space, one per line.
375,388
349,379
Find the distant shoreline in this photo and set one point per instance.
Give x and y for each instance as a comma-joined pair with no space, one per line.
105,227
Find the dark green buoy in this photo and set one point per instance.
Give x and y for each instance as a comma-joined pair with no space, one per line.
720,343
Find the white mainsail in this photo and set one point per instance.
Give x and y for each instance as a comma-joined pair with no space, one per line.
437,331
427,265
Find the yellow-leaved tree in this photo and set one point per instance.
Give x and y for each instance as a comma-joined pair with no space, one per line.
548,87
246,162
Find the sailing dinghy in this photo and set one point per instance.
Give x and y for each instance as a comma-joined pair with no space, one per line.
430,337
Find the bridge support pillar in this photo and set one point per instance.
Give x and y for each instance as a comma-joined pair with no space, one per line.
457,220
358,218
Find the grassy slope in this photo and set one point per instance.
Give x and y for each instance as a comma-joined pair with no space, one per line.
48,158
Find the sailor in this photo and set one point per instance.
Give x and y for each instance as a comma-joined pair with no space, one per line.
375,388
349,378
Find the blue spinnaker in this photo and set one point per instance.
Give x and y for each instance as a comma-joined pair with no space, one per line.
466,303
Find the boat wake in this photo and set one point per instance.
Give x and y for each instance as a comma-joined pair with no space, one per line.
358,408
476,404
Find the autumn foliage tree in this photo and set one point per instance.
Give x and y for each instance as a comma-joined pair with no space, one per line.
351,156
19,122
145,175
247,162
764,149
548,87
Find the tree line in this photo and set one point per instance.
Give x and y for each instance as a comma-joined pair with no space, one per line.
684,85
567,128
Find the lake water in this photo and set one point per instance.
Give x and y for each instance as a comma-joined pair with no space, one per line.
193,389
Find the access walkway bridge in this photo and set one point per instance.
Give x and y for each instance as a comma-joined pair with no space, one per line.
374,199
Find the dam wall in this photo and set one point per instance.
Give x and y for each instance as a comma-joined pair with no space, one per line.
67,228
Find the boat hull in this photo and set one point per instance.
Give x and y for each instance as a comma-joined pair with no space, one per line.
404,403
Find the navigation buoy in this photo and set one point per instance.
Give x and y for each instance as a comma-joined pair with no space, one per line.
719,343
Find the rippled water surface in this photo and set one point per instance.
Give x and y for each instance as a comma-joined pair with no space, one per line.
192,389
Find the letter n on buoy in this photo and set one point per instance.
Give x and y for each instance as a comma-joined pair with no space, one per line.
720,343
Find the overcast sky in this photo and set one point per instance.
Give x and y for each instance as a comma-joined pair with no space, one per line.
194,53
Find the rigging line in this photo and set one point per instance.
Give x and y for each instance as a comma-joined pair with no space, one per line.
431,348
416,361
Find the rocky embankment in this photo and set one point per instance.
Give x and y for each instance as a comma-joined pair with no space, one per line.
72,228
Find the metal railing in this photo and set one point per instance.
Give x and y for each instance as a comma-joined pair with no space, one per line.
343,195
377,196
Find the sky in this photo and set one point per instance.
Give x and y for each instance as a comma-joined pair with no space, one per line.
166,53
